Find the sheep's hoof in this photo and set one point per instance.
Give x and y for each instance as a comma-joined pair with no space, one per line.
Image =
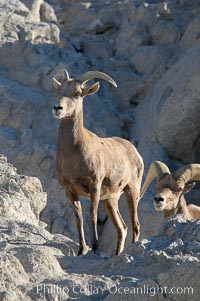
96,252
95,247
99,255
83,250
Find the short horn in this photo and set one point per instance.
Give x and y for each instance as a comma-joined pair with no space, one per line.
190,172
56,83
96,74
157,170
66,75
62,75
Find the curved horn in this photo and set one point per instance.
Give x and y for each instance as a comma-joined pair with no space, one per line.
190,172
96,74
156,170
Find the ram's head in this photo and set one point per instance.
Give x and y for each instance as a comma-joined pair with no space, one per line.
170,187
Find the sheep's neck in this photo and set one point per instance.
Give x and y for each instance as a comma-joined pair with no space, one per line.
72,130
181,208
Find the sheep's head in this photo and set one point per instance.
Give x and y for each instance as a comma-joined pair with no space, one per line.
72,91
168,193
170,187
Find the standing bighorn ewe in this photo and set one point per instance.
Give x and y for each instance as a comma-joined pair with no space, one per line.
170,188
93,167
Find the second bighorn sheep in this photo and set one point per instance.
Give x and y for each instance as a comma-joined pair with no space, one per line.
170,188
93,167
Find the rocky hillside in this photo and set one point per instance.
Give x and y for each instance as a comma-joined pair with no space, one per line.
37,265
151,49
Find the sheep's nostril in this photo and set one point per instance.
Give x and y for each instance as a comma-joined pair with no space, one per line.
158,199
57,108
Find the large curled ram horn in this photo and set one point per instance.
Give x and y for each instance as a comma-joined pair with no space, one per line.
190,172
96,74
156,170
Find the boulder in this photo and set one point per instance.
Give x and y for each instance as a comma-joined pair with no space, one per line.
28,253
175,96
191,35
171,269
147,58
21,198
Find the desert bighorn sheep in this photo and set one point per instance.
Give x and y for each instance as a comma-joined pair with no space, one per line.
170,188
94,167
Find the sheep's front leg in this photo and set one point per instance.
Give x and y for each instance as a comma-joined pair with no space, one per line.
95,197
76,204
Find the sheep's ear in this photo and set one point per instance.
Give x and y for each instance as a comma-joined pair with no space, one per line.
188,187
56,84
90,90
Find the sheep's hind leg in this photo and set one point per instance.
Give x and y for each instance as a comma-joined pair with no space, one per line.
76,204
111,207
132,197
95,196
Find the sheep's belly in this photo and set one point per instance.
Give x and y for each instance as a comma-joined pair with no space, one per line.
108,190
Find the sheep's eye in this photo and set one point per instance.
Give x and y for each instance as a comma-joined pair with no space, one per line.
77,94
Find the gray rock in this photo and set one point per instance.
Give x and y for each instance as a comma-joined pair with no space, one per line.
47,13
191,35
172,102
131,36
33,263
148,58
21,22
20,194
165,33
38,262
